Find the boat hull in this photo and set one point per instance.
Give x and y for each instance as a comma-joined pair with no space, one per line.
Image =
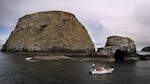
102,72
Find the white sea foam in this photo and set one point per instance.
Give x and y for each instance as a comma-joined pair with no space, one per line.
30,59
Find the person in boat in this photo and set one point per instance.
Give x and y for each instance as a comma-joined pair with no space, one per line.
93,65
99,68
107,68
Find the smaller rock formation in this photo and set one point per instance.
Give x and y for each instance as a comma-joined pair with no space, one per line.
107,51
146,49
114,43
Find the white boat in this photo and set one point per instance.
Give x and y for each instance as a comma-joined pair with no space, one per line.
104,71
101,70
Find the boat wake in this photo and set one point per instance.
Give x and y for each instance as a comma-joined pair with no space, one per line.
30,59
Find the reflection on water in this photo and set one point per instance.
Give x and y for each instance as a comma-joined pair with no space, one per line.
15,70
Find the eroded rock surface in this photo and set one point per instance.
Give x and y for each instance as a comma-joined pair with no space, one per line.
53,32
114,43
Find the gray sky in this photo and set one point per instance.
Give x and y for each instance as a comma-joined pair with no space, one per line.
102,18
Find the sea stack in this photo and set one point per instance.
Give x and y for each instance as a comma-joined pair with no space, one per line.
51,32
117,44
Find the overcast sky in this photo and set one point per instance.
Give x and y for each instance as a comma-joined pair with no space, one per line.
102,18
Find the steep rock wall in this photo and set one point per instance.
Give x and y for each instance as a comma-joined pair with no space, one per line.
52,31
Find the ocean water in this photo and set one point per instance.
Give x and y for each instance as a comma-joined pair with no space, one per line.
15,70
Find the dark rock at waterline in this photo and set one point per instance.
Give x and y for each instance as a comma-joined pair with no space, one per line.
146,49
52,32
119,55
144,57
114,43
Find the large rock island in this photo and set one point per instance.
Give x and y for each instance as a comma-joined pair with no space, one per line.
52,32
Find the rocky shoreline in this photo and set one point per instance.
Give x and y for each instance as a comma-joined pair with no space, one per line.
96,59
144,57
48,57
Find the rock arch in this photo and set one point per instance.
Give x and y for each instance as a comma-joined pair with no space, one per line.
119,55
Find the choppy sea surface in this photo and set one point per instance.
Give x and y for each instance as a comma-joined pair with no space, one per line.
14,69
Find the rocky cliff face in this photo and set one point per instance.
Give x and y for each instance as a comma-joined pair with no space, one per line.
117,43
53,31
